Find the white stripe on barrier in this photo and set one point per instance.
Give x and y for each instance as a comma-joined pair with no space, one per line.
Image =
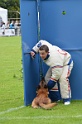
11,109
39,117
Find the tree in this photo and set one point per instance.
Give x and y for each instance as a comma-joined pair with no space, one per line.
11,6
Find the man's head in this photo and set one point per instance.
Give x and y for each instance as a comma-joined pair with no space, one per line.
43,51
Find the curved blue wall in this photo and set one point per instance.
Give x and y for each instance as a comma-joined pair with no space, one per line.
61,25
29,27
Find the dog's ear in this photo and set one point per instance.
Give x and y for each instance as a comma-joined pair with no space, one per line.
42,82
38,87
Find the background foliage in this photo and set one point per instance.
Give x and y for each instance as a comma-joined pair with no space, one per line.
11,5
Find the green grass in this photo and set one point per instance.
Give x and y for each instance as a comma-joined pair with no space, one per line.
11,85
12,109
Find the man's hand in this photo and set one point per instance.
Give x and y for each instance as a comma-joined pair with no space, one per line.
32,54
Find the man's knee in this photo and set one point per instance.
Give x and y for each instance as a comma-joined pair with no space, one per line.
51,84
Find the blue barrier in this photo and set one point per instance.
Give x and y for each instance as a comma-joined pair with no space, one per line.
29,28
61,25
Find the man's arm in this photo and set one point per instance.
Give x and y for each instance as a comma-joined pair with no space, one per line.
35,49
56,73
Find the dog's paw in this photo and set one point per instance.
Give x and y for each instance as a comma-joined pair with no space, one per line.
35,107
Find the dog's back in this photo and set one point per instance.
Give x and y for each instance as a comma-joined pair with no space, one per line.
42,99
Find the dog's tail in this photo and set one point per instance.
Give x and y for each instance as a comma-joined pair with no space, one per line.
48,106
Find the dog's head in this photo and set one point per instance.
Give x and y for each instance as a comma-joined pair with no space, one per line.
42,84
42,87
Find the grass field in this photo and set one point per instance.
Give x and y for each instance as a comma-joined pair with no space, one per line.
12,109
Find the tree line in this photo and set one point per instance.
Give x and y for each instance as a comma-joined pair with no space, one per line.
13,7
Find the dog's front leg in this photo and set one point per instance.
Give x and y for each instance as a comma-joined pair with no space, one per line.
34,104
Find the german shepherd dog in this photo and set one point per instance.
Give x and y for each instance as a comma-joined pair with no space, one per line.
42,100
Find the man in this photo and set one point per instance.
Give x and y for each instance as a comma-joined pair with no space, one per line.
60,64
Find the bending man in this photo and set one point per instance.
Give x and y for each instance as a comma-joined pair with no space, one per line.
61,64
